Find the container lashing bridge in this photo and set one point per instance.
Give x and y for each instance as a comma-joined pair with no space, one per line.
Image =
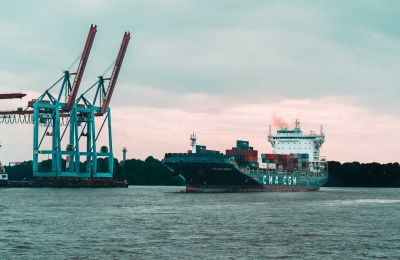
70,120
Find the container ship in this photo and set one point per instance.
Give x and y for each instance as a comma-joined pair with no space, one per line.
295,164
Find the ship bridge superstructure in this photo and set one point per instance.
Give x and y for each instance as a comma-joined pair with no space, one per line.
294,141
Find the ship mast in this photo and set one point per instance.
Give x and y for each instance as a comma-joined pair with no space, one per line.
297,125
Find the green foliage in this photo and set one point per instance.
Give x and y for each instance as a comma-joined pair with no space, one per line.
153,172
357,174
136,172
20,171
148,172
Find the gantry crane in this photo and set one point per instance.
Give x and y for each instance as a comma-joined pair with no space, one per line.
87,111
49,111
14,116
66,119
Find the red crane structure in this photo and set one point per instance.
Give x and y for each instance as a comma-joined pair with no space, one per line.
115,73
11,95
15,116
99,107
81,67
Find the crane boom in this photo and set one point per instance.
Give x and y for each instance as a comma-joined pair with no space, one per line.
12,95
114,75
81,67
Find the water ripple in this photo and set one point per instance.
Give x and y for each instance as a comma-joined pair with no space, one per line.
161,223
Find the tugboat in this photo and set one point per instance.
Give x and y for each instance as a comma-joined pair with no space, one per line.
3,176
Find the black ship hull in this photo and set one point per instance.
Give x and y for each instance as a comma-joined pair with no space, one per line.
3,183
219,174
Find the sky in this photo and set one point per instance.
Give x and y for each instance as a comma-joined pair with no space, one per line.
223,69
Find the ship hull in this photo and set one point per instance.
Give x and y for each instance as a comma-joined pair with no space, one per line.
3,179
68,183
221,175
3,183
246,188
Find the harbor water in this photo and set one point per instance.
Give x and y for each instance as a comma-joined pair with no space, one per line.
162,223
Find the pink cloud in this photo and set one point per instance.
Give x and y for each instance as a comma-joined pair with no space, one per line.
353,133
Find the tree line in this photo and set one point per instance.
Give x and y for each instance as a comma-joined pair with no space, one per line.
137,172
355,174
152,172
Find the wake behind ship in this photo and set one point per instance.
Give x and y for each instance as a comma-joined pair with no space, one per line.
294,165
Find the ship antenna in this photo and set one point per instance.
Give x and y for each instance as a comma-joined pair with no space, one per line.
297,124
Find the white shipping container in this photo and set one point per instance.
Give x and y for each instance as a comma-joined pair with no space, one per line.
271,166
262,165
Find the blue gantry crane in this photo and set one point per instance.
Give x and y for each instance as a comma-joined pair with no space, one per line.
71,122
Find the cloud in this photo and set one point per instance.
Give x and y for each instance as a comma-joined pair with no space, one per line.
351,130
220,67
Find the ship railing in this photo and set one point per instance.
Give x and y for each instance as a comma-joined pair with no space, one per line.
283,172
176,157
193,154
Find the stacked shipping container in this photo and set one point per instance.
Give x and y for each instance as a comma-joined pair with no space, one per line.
286,162
244,154
203,149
